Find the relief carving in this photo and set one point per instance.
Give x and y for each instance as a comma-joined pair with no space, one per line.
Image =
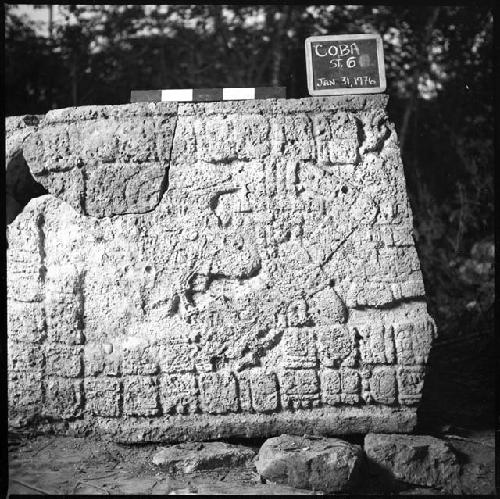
277,273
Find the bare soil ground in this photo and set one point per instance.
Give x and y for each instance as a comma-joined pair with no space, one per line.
47,465
458,404
68,465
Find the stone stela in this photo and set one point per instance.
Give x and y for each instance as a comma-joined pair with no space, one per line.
207,270
345,64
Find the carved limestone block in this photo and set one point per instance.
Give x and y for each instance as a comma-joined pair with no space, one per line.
376,344
330,386
383,385
218,392
413,341
205,270
179,393
299,348
103,396
24,396
26,321
264,390
97,360
351,385
299,388
336,345
63,398
410,384
141,396
25,358
63,360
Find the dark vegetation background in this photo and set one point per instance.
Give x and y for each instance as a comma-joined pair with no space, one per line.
439,65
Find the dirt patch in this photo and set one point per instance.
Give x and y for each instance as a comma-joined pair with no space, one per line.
67,465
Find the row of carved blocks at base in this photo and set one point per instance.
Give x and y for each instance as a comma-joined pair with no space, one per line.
255,390
337,364
404,343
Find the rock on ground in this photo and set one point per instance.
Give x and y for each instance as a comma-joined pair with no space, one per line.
414,459
477,457
66,465
196,456
327,464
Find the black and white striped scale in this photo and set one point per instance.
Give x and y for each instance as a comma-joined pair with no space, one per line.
207,94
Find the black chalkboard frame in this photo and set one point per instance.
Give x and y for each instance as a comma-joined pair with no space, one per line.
345,91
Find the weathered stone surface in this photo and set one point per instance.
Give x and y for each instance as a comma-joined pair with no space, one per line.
477,464
17,128
25,397
414,459
107,160
197,456
91,465
421,491
321,421
314,463
273,288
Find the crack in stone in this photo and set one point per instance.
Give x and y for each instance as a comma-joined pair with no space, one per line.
360,129
41,247
325,169
166,180
83,195
81,301
341,243
396,302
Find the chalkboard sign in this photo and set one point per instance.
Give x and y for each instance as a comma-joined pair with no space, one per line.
345,64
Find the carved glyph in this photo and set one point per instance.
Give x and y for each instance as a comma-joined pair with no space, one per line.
273,272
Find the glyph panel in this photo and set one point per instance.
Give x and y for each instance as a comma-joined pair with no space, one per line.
217,269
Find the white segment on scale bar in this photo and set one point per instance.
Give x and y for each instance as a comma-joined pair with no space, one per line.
238,93
181,94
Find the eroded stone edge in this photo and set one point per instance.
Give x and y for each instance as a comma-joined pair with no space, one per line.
324,422
351,103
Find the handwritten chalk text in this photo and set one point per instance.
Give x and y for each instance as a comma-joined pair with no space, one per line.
346,81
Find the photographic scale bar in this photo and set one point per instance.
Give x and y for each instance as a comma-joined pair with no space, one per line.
207,94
